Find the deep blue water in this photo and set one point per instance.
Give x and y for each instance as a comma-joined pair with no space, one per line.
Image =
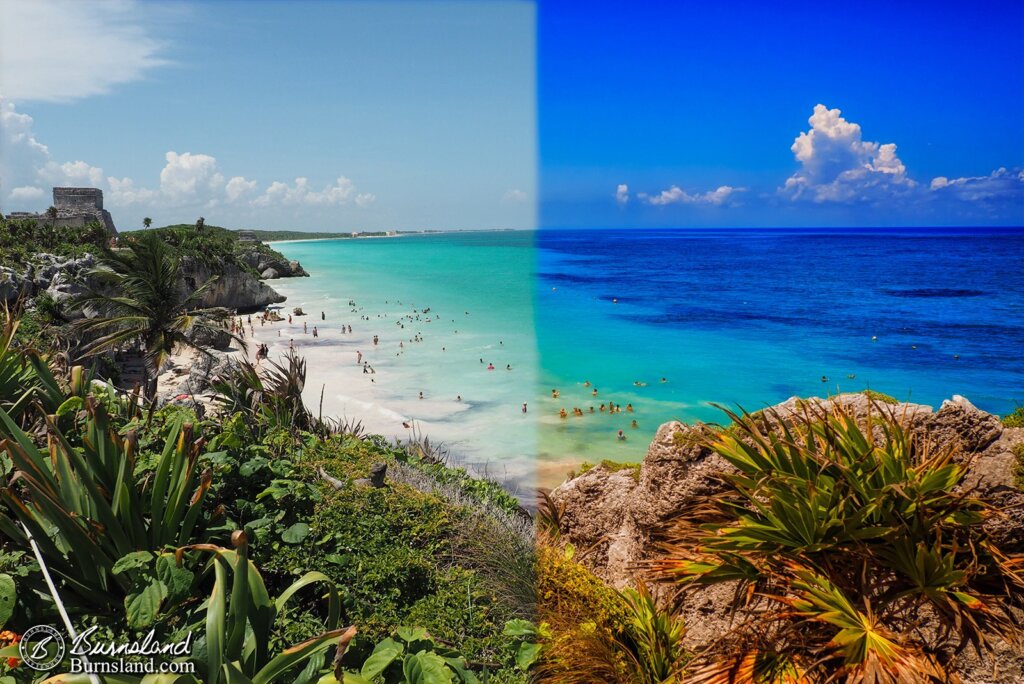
752,317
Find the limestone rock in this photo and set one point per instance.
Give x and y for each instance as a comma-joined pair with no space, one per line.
270,274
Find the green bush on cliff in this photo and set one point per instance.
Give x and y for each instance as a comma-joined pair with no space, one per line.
845,537
1014,419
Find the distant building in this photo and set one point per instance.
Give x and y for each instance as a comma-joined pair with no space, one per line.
247,236
75,208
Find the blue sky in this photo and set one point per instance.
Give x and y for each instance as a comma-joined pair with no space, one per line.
702,96
398,114
369,115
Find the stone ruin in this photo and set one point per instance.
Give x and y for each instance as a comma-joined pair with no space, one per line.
75,208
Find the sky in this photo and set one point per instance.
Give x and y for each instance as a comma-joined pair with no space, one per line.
299,115
324,115
781,114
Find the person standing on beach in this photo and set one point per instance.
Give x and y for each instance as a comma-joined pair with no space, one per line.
323,316
315,333
524,407
359,357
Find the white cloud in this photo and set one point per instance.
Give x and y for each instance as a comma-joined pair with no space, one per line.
190,176
63,50
622,194
27,193
837,165
999,184
341,192
514,195
238,188
188,181
676,195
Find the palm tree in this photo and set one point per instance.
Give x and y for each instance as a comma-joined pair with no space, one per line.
200,222
147,307
147,222
51,213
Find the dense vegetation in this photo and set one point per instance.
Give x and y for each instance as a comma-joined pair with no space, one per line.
21,240
141,514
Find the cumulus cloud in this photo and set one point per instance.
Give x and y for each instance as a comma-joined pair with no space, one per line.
676,195
188,180
27,193
342,191
63,50
837,165
622,194
1000,184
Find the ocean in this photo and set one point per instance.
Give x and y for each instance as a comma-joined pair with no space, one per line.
666,322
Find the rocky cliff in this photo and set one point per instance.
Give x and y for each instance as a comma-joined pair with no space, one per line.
610,516
64,278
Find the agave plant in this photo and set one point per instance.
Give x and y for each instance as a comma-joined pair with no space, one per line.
842,538
85,506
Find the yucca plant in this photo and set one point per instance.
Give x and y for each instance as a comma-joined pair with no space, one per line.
25,376
86,507
843,539
237,621
269,397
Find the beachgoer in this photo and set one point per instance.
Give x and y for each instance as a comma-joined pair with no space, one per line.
458,397
508,366
554,394
664,380
316,333
594,392
634,424
622,436
421,395
323,316
562,414
629,408
524,407
490,366
359,357
291,343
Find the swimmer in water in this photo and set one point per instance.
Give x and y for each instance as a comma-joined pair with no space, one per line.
458,397
554,394
634,424
562,413
629,408
664,380
622,436
421,395
490,366
594,393
508,366
524,407
586,383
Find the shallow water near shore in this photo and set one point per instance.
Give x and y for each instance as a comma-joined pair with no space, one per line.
744,317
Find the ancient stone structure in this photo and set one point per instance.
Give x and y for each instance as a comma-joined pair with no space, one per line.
75,208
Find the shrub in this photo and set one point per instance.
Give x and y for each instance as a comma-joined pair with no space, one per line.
843,539
1014,419
880,397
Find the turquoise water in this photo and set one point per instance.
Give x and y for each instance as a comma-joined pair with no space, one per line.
478,289
733,317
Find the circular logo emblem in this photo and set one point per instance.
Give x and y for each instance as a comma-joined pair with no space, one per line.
41,647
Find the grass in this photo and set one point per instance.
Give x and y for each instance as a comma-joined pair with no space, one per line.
609,466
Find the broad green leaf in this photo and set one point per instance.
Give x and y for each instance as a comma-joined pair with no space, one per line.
8,593
177,580
132,561
295,534
410,634
426,668
142,607
383,655
527,654
519,628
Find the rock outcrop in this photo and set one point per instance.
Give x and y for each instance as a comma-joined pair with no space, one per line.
271,266
609,515
233,289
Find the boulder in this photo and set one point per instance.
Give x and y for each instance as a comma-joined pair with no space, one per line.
270,274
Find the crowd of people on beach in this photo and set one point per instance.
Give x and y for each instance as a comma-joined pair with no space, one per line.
413,318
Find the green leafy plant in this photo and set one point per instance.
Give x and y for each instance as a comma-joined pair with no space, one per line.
410,656
841,538
88,509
